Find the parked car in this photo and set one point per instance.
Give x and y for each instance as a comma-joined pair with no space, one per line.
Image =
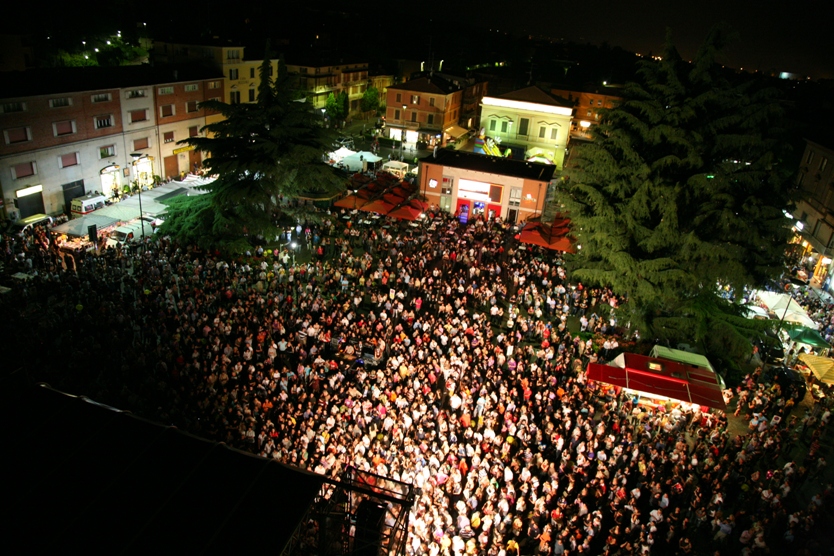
791,381
346,142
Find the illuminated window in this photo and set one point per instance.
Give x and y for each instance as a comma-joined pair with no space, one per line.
136,93
104,121
554,133
415,99
102,97
107,150
191,87
168,137
214,85
166,90
60,102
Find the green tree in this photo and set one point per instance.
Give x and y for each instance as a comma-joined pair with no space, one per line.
333,108
344,104
370,100
679,199
265,155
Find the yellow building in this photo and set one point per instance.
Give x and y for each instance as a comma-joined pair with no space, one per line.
531,120
318,78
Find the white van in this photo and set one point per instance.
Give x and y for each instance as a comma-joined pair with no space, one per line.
87,204
17,227
127,234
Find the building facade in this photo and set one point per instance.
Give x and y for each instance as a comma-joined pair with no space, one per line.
472,185
587,105
84,130
530,120
317,79
814,213
430,108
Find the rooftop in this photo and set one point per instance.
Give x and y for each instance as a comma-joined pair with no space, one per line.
50,81
537,96
434,85
492,165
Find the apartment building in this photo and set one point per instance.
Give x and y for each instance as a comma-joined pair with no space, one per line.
814,213
587,105
430,108
318,77
72,131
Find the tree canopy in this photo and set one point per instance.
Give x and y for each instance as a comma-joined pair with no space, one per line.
370,100
265,155
679,198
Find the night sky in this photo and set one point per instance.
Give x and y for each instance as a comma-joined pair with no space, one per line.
794,36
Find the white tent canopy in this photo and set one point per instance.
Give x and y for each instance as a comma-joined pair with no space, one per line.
779,301
341,154
396,167
354,162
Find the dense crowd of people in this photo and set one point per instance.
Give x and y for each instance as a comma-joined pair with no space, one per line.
438,355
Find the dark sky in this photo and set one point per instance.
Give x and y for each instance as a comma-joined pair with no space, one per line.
795,36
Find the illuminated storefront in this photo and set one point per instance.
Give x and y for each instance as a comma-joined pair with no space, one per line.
110,180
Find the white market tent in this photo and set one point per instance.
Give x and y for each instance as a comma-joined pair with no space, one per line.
77,227
341,154
783,306
355,162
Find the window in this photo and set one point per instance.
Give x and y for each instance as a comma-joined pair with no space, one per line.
104,121
504,126
251,73
68,160
523,126
136,93
396,114
63,128
140,144
431,102
14,107
823,164
234,97
166,90
60,102
101,97
810,157
168,137
191,87
430,119
599,103
251,95
17,135
304,70
445,203
554,133
233,74
233,54
591,101
214,85
542,131
138,115
515,197
194,131
24,170
107,150
191,106
399,97
414,116
492,125
446,186
166,111
589,113
415,99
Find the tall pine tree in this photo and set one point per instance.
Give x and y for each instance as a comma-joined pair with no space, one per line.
265,155
679,198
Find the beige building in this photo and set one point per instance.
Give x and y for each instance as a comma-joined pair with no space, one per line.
814,213
529,119
317,79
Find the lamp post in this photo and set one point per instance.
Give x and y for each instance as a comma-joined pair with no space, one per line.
402,136
136,158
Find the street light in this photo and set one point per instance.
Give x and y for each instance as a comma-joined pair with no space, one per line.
136,158
402,136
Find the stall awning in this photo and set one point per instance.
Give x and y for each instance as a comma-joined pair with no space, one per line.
661,377
455,131
822,367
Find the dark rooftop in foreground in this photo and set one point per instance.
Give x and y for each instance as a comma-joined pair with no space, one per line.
87,478
492,164
74,80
